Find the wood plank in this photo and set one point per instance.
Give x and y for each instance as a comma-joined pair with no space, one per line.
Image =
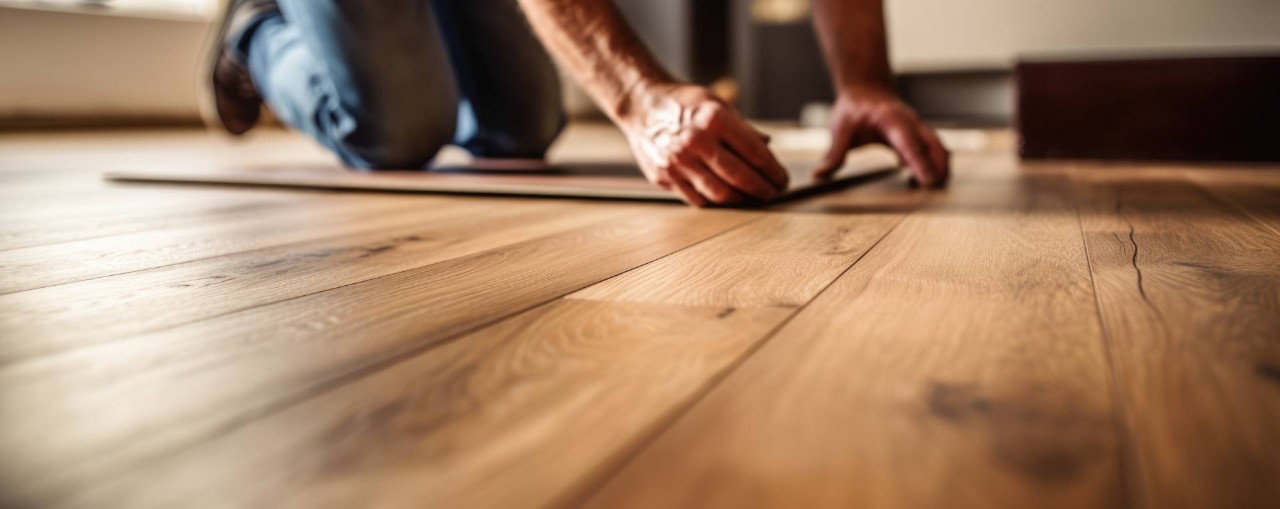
781,261
504,418
474,423
120,200
81,218
207,378
43,266
1256,190
90,313
959,364
1189,292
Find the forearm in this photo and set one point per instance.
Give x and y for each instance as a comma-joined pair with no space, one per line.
591,38
854,42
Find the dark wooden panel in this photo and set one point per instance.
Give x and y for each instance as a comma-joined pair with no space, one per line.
778,65
1203,109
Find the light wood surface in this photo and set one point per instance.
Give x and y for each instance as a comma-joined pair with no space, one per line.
1038,335
971,376
1188,288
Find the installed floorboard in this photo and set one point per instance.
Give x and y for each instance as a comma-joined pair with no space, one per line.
567,384
959,364
1255,192
1189,292
43,223
205,378
42,266
97,311
1042,335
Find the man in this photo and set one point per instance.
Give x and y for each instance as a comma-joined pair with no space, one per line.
387,83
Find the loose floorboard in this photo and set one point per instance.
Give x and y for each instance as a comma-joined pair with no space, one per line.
1038,335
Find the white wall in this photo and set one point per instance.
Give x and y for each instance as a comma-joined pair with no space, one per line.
60,63
63,63
948,34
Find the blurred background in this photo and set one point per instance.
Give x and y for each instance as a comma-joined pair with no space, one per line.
133,62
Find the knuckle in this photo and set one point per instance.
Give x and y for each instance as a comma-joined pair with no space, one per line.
683,158
710,113
687,145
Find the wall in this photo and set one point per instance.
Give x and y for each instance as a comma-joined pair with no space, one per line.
59,63
962,34
73,64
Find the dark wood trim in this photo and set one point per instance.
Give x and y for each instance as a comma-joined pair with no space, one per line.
1178,109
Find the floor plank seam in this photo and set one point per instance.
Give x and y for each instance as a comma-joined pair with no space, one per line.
594,483
377,365
1130,471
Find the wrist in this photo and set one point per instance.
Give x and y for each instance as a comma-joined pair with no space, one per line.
640,96
860,91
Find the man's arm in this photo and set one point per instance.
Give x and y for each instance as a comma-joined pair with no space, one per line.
867,110
684,138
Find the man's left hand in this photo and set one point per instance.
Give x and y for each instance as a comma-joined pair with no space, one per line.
874,114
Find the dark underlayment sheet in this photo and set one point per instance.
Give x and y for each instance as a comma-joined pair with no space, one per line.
607,180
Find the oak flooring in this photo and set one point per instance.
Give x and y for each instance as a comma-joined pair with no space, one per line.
1037,335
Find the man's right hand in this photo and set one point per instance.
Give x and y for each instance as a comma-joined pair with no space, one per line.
688,141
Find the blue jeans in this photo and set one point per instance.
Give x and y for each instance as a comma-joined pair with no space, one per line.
387,83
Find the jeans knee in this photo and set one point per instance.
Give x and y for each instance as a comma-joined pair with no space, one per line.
396,140
528,139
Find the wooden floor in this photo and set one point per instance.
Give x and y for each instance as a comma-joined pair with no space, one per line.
1039,335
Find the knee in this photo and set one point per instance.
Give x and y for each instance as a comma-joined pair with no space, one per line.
405,139
525,128
527,139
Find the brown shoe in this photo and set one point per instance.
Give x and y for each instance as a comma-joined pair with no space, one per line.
232,101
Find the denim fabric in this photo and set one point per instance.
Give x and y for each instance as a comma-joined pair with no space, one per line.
387,83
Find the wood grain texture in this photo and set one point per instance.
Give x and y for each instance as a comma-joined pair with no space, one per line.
1254,191
959,364
43,223
1188,288
96,311
43,266
570,384
505,417
1038,335
205,378
782,260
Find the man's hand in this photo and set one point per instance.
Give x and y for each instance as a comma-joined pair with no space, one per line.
688,141
875,115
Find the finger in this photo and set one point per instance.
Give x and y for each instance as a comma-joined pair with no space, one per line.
736,173
686,191
744,140
841,139
905,143
707,184
754,151
760,134
938,154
